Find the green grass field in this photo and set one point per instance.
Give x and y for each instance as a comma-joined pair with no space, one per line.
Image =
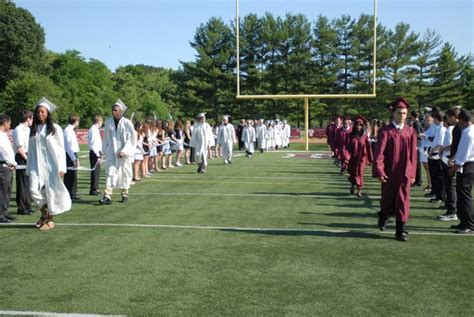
317,252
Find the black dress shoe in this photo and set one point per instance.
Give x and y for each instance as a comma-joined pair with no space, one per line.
105,201
9,216
23,212
401,237
4,220
94,192
381,224
124,199
75,197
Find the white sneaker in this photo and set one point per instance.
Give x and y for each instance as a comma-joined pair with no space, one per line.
447,217
178,164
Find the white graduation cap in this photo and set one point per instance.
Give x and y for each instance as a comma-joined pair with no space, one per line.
43,102
202,114
122,106
226,117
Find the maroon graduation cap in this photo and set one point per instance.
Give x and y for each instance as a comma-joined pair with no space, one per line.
400,102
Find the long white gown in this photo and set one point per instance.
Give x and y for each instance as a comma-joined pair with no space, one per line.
46,159
118,171
226,139
201,140
248,137
261,132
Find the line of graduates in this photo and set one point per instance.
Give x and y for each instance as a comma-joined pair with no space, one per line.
399,149
351,148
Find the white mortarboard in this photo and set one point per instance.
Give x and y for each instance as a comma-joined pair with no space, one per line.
43,102
121,105
202,114
226,117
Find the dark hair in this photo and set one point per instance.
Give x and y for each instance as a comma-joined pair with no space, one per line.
25,115
438,115
465,115
414,114
354,132
178,125
73,118
97,118
137,126
4,118
50,129
453,112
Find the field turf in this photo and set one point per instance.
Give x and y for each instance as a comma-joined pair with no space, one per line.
272,235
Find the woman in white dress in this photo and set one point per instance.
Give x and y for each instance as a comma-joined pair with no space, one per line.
46,165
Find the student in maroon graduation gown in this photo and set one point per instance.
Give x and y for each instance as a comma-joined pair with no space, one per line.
331,132
342,141
360,153
395,167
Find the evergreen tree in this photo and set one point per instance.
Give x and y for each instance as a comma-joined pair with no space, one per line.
446,74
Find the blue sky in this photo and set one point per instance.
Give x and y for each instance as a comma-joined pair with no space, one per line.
158,32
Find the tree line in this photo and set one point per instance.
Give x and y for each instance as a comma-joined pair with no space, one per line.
279,55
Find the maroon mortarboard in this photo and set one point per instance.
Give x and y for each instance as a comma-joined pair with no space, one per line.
348,118
400,102
360,119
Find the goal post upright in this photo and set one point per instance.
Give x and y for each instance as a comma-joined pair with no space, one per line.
306,97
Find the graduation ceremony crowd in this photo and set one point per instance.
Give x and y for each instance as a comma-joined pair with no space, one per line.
441,143
45,157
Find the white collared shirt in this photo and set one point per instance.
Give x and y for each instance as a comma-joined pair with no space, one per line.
438,134
6,150
70,142
465,151
94,141
21,136
399,127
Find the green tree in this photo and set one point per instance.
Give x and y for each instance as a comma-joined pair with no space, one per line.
210,82
446,76
424,63
86,86
24,91
21,42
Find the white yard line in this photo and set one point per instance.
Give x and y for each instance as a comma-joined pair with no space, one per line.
286,195
34,313
242,229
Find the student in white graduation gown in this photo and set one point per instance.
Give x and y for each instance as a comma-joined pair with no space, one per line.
200,141
226,139
46,165
248,137
261,132
118,148
286,134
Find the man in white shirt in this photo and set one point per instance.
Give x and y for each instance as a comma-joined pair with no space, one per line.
464,167
72,161
450,121
7,165
21,136
94,142
434,159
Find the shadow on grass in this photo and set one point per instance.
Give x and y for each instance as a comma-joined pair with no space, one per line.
19,226
317,233
341,226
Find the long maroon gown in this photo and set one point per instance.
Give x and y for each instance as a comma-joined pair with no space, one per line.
396,158
341,144
361,155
